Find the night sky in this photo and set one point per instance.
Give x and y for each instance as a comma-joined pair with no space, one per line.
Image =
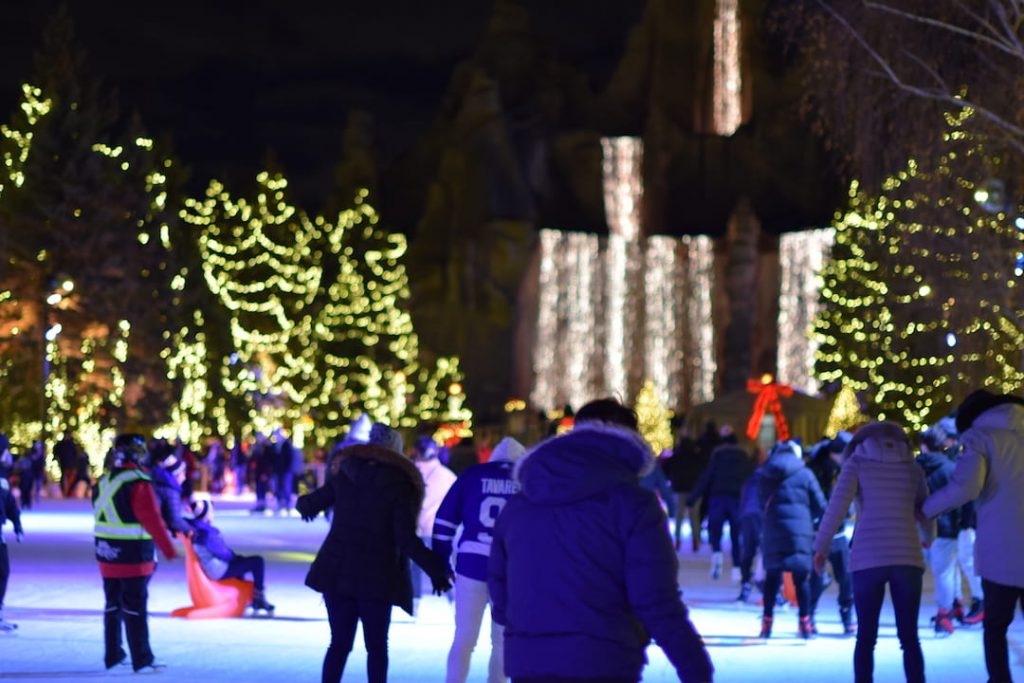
229,81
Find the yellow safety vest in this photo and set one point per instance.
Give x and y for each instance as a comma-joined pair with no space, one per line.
108,522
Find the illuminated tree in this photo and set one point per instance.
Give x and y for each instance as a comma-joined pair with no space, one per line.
920,301
845,412
81,198
654,418
258,259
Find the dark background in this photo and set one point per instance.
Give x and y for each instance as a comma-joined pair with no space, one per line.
229,82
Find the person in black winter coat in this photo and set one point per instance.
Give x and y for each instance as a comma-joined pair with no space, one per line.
824,463
942,555
792,499
362,568
721,483
683,469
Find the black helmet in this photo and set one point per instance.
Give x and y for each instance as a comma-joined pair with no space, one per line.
129,448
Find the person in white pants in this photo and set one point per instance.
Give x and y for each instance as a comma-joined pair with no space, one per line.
474,502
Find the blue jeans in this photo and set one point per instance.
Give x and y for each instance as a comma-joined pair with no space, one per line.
1000,602
868,593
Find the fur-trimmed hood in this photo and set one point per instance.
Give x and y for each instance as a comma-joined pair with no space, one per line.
353,457
591,458
880,441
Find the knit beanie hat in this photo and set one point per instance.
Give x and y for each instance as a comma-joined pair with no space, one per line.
382,435
200,508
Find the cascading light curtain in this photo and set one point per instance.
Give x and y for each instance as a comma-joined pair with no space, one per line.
801,257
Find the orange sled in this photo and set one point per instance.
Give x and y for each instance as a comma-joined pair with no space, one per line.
211,599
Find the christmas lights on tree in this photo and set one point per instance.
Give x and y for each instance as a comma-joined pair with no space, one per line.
919,306
845,414
653,418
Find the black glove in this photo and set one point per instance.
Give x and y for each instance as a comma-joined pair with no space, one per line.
442,584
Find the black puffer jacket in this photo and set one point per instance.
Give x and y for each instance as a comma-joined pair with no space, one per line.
376,497
792,499
724,476
938,471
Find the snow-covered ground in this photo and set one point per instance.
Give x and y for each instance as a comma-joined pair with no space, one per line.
55,595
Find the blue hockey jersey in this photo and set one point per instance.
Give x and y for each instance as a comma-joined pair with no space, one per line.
474,503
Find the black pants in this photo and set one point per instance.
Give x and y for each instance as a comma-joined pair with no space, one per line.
772,583
722,509
1000,601
240,565
344,613
126,603
868,593
839,558
5,571
750,539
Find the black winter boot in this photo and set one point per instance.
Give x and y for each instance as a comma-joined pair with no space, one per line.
766,627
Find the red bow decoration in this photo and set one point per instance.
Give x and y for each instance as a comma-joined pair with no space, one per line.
768,394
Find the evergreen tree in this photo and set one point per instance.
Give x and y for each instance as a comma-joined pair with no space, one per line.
654,419
920,303
259,260
845,413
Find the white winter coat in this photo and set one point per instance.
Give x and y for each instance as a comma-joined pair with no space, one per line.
991,469
437,479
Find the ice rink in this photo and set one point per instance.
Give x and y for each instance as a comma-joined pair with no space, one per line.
55,596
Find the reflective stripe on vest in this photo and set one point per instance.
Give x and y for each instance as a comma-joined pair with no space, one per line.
108,522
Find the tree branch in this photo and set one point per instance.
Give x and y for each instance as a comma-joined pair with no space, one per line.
946,26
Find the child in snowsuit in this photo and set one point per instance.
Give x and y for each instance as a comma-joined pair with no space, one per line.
221,562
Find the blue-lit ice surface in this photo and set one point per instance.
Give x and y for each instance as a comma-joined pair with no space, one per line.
55,596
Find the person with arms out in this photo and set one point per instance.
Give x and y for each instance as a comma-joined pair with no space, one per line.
362,568
8,511
474,502
128,523
991,470
879,473
582,570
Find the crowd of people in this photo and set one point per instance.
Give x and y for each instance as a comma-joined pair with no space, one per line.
574,544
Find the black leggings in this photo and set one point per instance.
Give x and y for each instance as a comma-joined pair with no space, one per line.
772,583
344,614
240,565
5,571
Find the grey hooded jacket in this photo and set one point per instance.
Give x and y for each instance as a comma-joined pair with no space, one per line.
880,474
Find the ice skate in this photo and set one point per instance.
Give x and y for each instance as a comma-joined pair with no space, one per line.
846,616
716,566
259,604
975,615
6,626
766,627
153,667
806,628
745,592
943,623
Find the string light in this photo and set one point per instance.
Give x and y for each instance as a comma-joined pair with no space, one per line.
801,257
727,76
885,324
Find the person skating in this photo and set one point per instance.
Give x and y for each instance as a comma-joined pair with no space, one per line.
938,470
583,571
825,463
437,480
127,525
721,483
8,511
221,562
879,472
362,568
792,499
990,470
474,503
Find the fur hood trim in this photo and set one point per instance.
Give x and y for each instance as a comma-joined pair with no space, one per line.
384,456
